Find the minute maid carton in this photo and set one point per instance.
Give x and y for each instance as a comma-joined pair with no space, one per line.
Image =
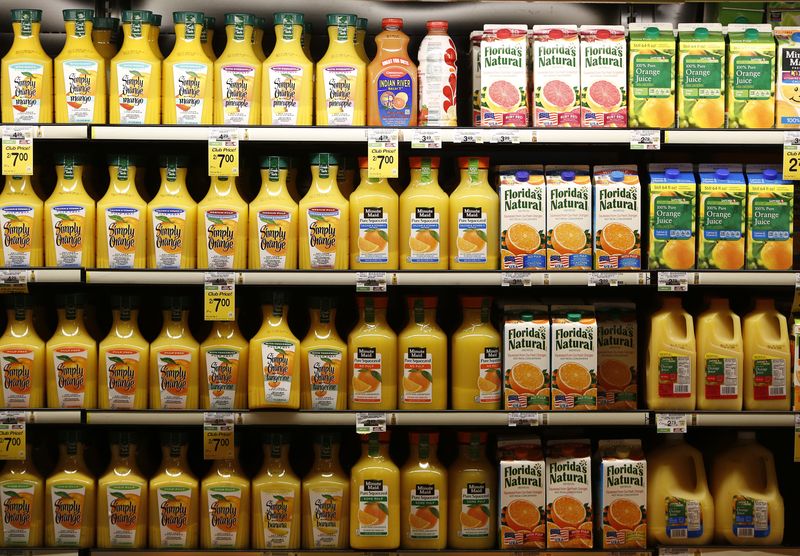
751,76
617,218
522,492
526,358
787,90
721,218
651,75
701,75
770,225
569,217
621,519
573,357
522,218
673,194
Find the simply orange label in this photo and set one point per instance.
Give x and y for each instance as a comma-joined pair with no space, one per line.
16,505
16,227
278,510
221,230
68,232
277,358
124,509
68,504
173,370
272,239
17,380
121,223
70,364
173,504
224,510
325,367
122,369
168,230
323,227
327,511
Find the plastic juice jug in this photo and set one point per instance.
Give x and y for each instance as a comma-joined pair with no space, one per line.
680,506
423,495
152,36
222,226
71,358
273,219
373,358
424,218
719,357
172,219
701,75
438,76
341,76
103,32
749,506
70,496
174,512
305,40
134,88
22,356
21,503
187,87
69,218
225,496
472,513
21,223
274,367
345,175
174,360
361,38
671,358
237,75
324,225
224,355
323,355
121,219
767,358
326,497
474,218
288,86
521,492
28,73
375,502
207,37
259,26
124,357
122,497
276,498
475,345
422,352
392,79
373,223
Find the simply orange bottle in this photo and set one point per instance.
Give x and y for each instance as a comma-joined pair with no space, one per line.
207,37
103,32
121,219
123,359
222,226
424,218
423,495
341,76
22,357
21,503
476,363
273,219
71,358
174,493
134,88
422,352
21,224
324,225
172,219
276,497
373,223
174,360
474,218
373,358
224,355
237,75
472,521
225,503
323,360
326,497
392,94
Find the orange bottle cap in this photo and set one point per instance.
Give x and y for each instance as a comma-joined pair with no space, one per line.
483,162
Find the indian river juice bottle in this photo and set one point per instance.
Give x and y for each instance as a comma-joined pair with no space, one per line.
392,95
323,357
225,496
424,218
276,497
373,358
341,76
21,503
123,359
22,357
324,226
423,495
69,218
422,352
172,219
326,497
288,85
80,73
174,493
476,364
224,355
21,221
472,511
237,75
121,219
187,87
272,219
373,223
174,360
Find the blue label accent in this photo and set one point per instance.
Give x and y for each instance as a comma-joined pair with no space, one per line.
395,98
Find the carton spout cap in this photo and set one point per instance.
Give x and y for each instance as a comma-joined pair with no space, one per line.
672,173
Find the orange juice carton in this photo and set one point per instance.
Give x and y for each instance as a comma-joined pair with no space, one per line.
701,75
621,494
673,197
787,89
721,219
651,75
504,76
617,218
617,356
522,493
751,76
522,218
569,494
475,63
604,79
569,217
573,357
770,225
556,76
526,358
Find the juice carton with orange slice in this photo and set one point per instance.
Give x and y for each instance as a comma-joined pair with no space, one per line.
751,76
522,492
770,226
504,76
673,195
604,92
573,357
569,494
526,358
787,90
556,76
569,217
721,217
617,356
622,495
617,218
651,75
701,75
522,218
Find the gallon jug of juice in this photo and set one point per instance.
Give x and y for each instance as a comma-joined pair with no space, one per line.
392,95
767,358
174,360
121,223
276,497
174,494
187,88
103,31
207,37
224,355
22,356
323,358
172,219
680,509
123,359
237,75
422,352
80,73
21,503
222,226
272,219
134,88
719,357
225,503
472,512
373,358
341,76
424,218
326,497
671,358
423,495
438,77
69,217
373,223
324,226
287,97
749,506
475,348
474,218
21,223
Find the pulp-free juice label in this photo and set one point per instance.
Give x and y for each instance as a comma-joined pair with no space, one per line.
222,373
16,509
475,513
133,83
80,85
684,518
769,377
17,365
16,227
367,375
522,493
489,375
277,362
788,79
173,505
617,356
326,516
373,235
722,218
221,230
471,242
674,375
673,194
124,509
722,377
622,519
169,225
277,509
424,512
68,501
122,371
604,93
556,76
70,364
574,358
751,76
569,494
750,517
569,218
526,360
68,232
504,76
396,90
340,92
701,76
173,372
225,515
237,93
284,85
272,238
323,228
189,85
651,76
770,222
522,221
325,367
424,238
617,218
417,375
373,509
121,224
26,80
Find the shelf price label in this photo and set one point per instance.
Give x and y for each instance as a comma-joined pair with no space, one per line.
523,419
604,278
12,435
471,136
673,281
17,150
219,296
370,422
671,423
370,282
383,153
223,151
426,139
517,279
791,155
645,139
13,281
217,435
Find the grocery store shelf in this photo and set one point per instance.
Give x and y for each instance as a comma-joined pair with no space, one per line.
54,275
743,419
728,551
39,552
147,417
65,131
716,137
577,135
742,278
53,416
138,277
318,552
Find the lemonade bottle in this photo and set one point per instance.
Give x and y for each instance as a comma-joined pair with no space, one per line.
392,79
341,76
237,75
322,357
172,219
472,514
71,356
21,222
276,498
373,223
22,356
173,514
475,346
224,355
187,88
222,226
767,358
174,360
423,495
720,358
288,94
69,217
324,219
124,356
21,503
207,37
373,358
474,218
152,36
375,504
326,497
273,219
103,32
361,38
225,495
671,358
121,223
122,497
424,218
701,75
422,352
28,73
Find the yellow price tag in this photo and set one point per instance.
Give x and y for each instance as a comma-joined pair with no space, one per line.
791,162
218,435
12,435
220,296
383,153
223,152
17,150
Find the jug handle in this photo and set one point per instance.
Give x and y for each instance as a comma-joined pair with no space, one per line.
700,469
688,328
772,476
782,327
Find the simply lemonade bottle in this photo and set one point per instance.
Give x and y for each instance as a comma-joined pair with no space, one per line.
71,356
373,358
237,75
222,226
422,352
69,217
174,360
172,219
472,521
324,219
80,73
373,223
123,359
21,222
21,503
121,219
476,363
134,88
323,356
187,88
326,497
474,218
424,218
174,493
207,37
287,97
341,76
276,497
22,357
224,355
423,495
272,219
225,499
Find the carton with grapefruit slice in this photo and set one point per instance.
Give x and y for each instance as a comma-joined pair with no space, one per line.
522,492
522,217
604,92
617,354
569,494
504,76
556,76
621,520
617,218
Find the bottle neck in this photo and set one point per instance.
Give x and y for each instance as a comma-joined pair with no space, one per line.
277,458
374,449
474,176
187,37
21,466
173,180
174,457
223,186
275,316
70,456
20,322
239,36
101,36
79,34
425,176
422,316
273,183
288,38
26,36
123,455
70,320
322,321
19,184
225,330
136,35
70,179
476,315
125,323
324,181
372,315
471,451
175,322
326,456
341,37
228,467
371,182
123,179
424,452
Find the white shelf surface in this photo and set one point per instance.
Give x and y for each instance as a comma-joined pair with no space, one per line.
715,137
140,277
54,275
64,131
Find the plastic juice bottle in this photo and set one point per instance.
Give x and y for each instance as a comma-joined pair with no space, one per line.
71,356
681,509
424,218
172,219
345,175
477,370
474,218
174,512
103,32
749,505
273,219
720,358
651,75
273,369
324,226
69,218
423,495
122,497
701,75
288,86
225,495
222,226
124,356
326,497
341,76
207,37
392,79
237,75
361,38
134,87
21,223
22,356
373,358
174,360
276,498
373,223
187,87
28,73
422,351
21,503
70,497
259,26
671,358
767,358
224,355
322,357
375,504
152,36
472,513
438,76
121,219
305,40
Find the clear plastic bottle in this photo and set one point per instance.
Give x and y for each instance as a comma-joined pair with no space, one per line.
80,73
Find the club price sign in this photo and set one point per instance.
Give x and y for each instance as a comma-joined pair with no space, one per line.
383,153
223,151
218,435
12,435
219,300
17,150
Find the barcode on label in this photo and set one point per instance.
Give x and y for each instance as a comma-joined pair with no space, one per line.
746,532
681,388
727,390
678,534
777,390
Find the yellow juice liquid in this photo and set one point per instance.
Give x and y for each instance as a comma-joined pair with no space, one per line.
373,223
121,219
80,74
276,498
472,498
422,352
123,359
103,32
237,75
69,218
187,87
225,499
223,357
172,219
361,37
474,217
324,226
21,503
719,358
222,226
767,358
476,358
22,357
326,498
671,363
258,38
207,37
373,358
323,360
423,496
174,360
341,85
152,36
424,218
273,219
21,224
288,86
174,506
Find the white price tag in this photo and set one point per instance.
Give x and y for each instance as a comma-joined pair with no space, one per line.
370,282
673,281
426,139
370,422
517,278
474,136
13,281
505,136
219,297
604,278
671,422
523,419
12,435
673,552
645,139
383,153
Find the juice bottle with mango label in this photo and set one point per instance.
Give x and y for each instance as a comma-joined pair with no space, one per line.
392,95
423,495
375,502
124,356
71,356
22,357
673,227
237,75
526,358
621,520
474,218
475,346
424,218
671,363
224,355
341,76
521,492
155,32
617,356
721,217
651,75
207,37
569,217
522,218
324,226
273,219
373,222
174,493
187,87
373,358
288,86
276,497
569,494
174,360
472,498
21,503
134,88
121,219
79,73
222,226
617,218
720,358
326,497
21,223
770,224
225,499
323,359
361,38
573,357
701,75
751,76
69,217
767,358
172,219
103,32
422,352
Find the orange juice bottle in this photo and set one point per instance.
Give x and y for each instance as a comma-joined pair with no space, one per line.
173,515
373,223
21,503
326,497
719,357
21,223
103,32
423,495
225,498
121,219
69,218
22,356
224,355
424,218
207,37
361,37
152,36
323,355
345,175
124,356
305,40
767,358
174,360
472,513
474,218
273,219
341,76
237,75
392,79
373,358
222,226
172,219
422,352
134,87
671,358
475,346
259,26
324,226
276,497
71,356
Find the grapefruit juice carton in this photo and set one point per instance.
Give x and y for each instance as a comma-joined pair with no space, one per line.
622,495
569,494
751,76
522,218
787,89
720,238
574,357
504,76
522,493
770,206
617,362
673,193
604,93
526,359
569,217
556,76
617,218
701,75
651,75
